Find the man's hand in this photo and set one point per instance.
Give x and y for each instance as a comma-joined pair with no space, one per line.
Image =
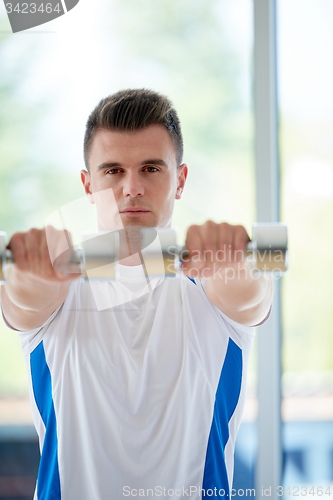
217,253
34,289
213,247
42,253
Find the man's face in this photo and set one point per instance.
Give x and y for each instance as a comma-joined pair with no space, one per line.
140,169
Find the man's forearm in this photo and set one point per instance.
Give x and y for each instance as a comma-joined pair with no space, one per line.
242,295
27,302
34,289
31,292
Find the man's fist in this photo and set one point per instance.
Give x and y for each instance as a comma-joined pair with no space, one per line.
213,247
43,253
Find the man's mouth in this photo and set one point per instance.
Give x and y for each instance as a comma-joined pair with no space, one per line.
133,211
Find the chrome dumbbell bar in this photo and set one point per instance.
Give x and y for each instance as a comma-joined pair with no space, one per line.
161,256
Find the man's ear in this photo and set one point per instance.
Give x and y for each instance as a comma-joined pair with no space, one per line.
182,172
86,181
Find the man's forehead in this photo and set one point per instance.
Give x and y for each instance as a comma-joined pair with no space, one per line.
154,140
152,135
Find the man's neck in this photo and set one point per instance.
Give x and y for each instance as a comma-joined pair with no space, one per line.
130,246
132,260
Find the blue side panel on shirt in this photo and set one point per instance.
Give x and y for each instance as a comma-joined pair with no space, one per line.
48,481
227,396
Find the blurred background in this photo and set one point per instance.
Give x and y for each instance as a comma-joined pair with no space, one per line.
201,55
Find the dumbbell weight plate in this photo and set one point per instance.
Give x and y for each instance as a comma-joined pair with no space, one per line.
5,256
2,255
100,252
270,247
159,251
99,255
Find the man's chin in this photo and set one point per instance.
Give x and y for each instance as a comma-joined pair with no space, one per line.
138,221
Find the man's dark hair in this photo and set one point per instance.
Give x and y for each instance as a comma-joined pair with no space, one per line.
130,110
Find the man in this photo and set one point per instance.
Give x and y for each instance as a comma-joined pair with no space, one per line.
141,397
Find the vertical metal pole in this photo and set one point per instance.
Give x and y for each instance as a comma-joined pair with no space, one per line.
269,457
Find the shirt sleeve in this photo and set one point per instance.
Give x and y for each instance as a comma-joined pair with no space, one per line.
27,337
210,331
248,330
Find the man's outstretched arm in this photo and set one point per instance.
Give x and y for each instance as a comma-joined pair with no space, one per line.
33,288
217,254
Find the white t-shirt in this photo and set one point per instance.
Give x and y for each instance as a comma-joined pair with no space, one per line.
137,390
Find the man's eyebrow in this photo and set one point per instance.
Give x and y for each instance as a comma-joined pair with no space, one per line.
157,161
108,165
153,161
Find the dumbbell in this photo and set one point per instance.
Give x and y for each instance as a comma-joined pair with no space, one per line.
161,256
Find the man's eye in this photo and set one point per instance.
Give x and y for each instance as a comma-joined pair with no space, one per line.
151,169
112,171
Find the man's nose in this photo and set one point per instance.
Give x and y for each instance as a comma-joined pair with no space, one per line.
133,185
